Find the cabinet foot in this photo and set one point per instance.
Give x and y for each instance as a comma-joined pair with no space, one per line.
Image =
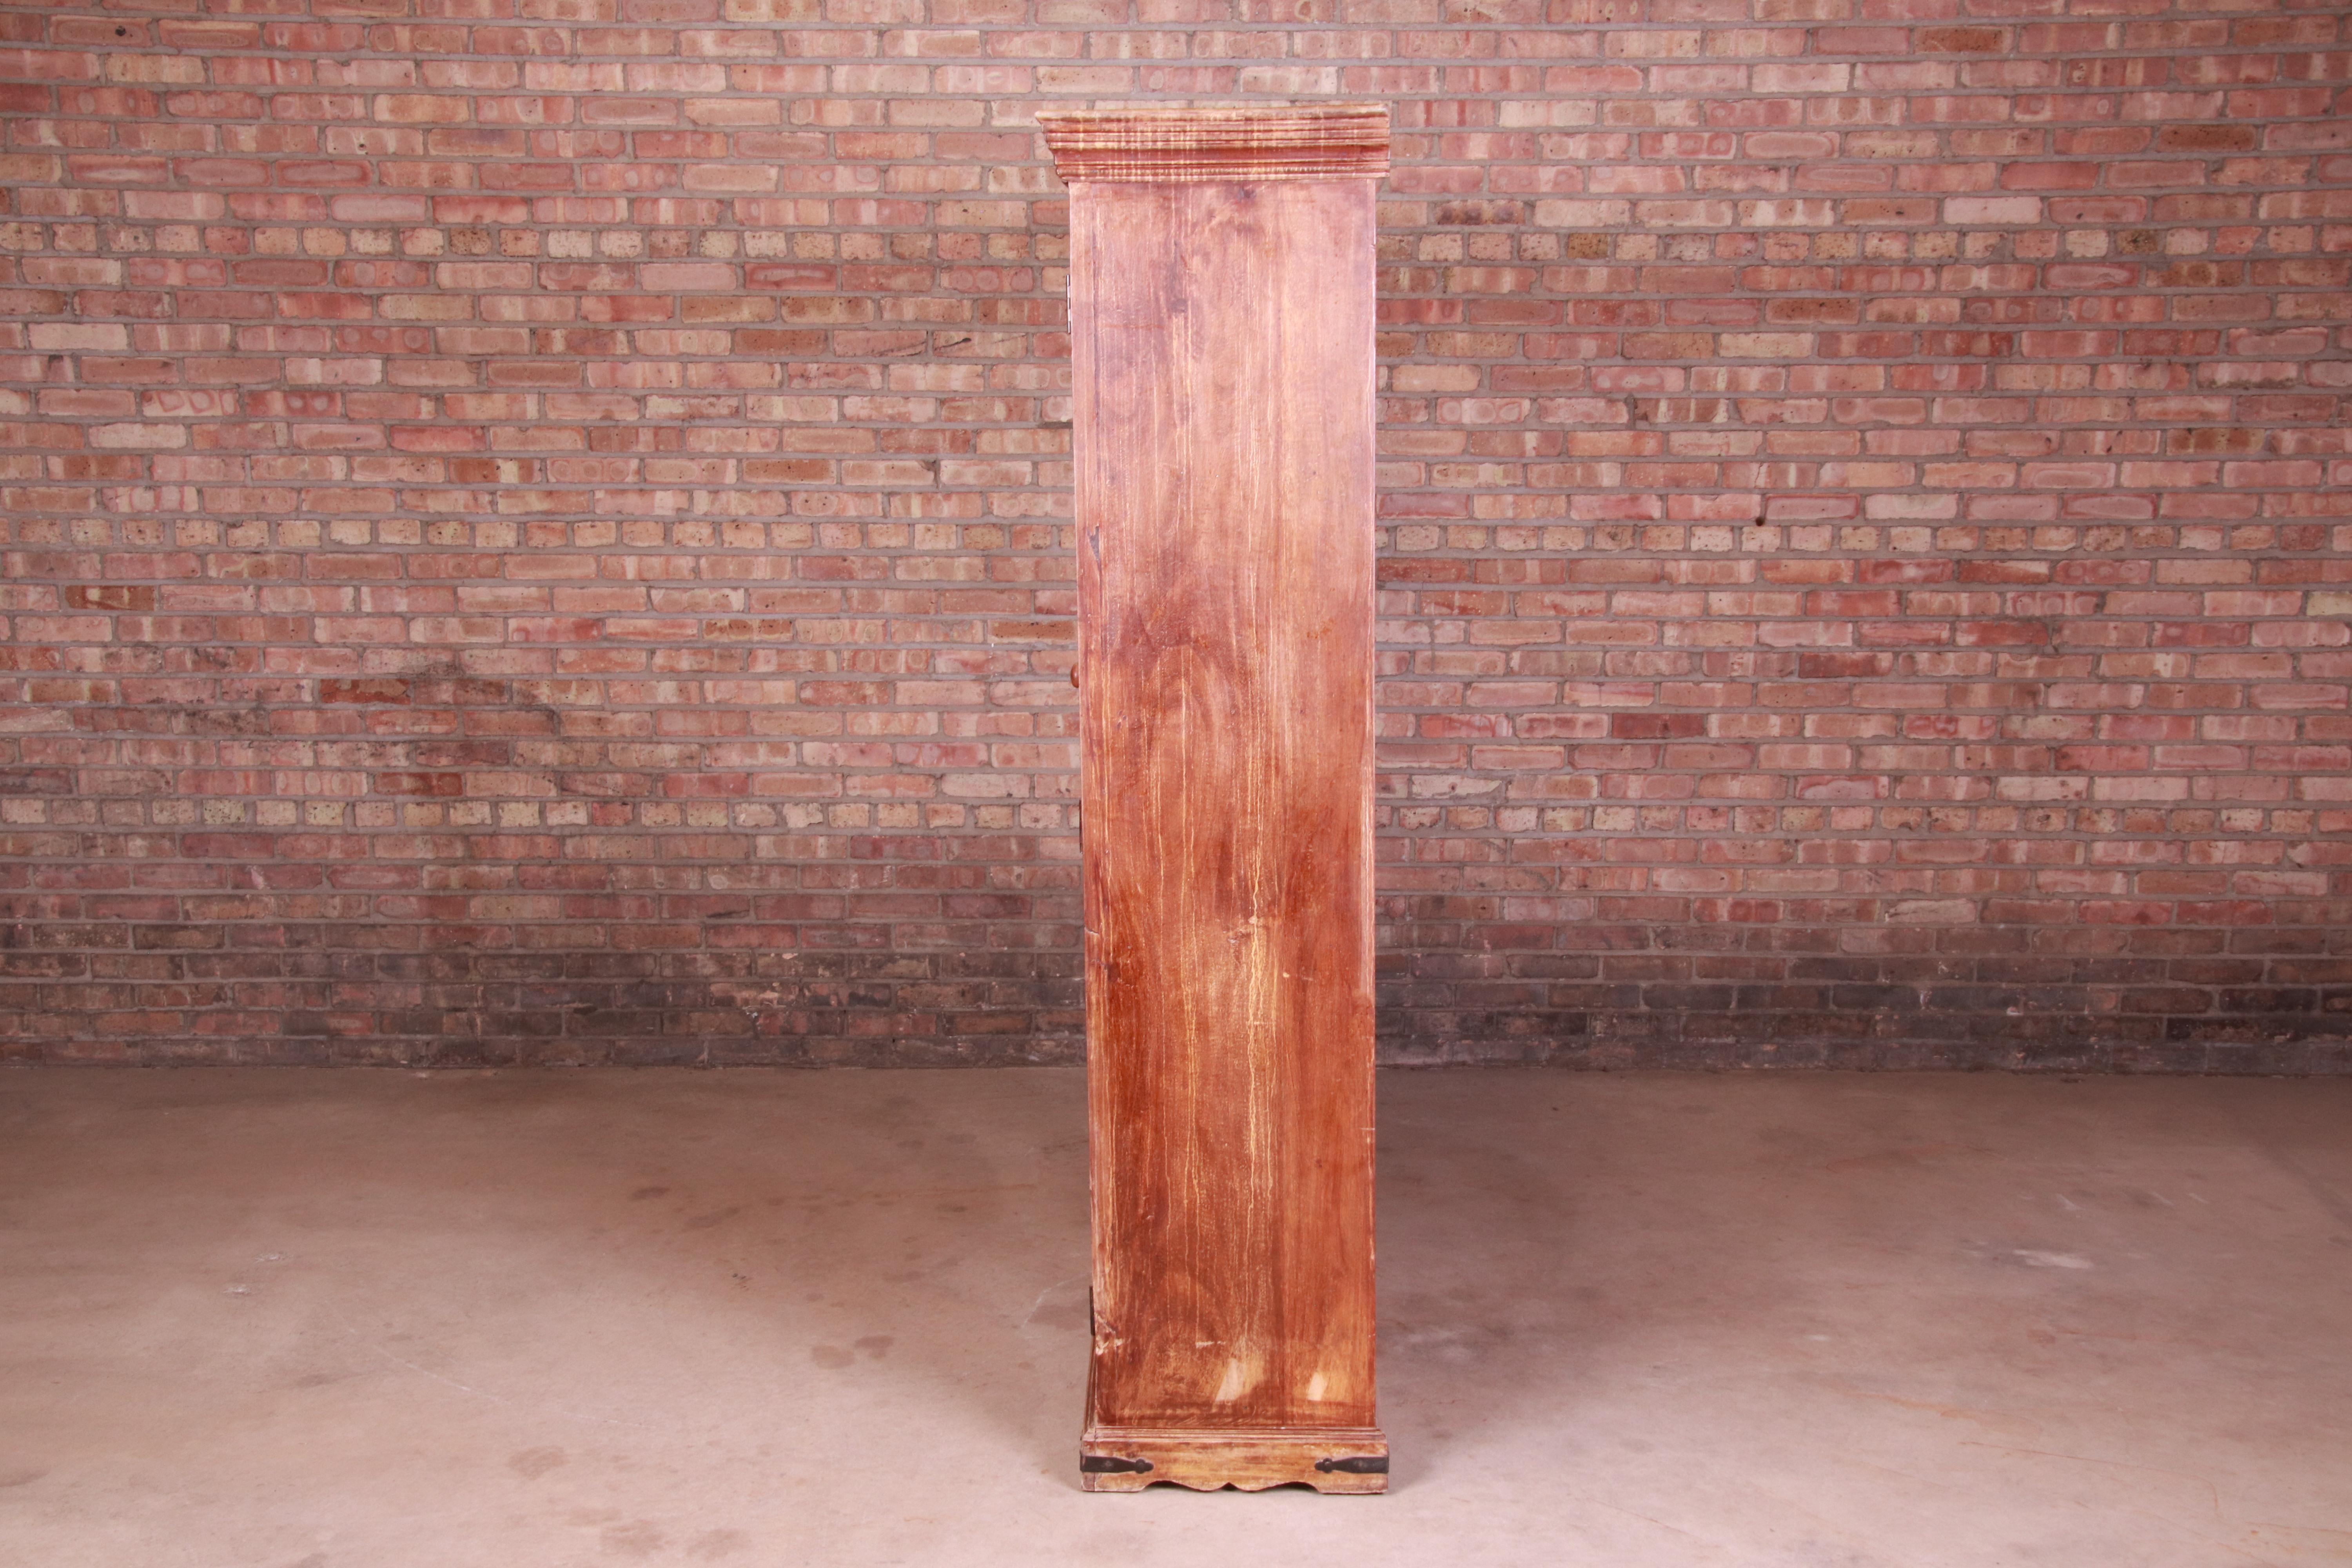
1329,1459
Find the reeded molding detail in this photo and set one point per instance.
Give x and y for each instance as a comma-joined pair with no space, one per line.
1186,146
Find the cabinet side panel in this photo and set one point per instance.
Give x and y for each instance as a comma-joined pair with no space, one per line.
1222,348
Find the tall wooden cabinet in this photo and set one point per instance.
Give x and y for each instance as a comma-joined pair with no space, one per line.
1221,320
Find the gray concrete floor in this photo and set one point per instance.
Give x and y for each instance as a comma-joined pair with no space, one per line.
337,1320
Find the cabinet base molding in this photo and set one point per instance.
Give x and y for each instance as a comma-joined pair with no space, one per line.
1329,1459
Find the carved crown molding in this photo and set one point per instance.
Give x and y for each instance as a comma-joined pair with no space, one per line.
1183,146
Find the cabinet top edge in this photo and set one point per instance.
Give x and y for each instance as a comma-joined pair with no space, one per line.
1185,146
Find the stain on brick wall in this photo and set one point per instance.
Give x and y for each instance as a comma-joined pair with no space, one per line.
537,529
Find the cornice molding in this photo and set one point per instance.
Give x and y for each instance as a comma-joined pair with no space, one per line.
1200,146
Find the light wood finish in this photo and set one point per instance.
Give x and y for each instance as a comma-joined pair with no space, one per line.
1195,146
1222,338
1329,1459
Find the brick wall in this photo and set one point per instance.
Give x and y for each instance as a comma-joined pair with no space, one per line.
536,530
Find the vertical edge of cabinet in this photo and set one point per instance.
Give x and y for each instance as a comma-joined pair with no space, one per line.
1222,328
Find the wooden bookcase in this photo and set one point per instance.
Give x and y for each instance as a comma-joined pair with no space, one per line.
1221,320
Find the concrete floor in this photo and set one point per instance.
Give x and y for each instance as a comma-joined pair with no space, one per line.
259,1318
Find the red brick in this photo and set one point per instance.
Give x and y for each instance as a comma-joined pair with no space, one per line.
572,490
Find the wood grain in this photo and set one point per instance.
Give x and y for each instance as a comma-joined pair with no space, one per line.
1321,141
1329,1459
1222,357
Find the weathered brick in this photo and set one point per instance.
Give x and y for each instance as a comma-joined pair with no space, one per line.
563,527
